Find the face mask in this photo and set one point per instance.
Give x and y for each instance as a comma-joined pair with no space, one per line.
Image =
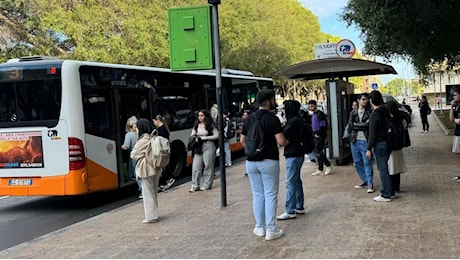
310,112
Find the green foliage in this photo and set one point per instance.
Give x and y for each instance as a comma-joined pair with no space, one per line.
419,30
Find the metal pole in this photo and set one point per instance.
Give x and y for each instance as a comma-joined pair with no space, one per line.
440,86
220,119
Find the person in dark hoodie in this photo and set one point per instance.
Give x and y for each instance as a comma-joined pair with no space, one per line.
294,159
377,143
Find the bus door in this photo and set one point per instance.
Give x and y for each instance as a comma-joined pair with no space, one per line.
132,102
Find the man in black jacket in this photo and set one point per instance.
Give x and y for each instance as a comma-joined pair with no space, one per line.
358,124
378,143
294,159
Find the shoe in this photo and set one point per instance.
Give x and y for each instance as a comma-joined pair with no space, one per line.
328,170
277,233
228,164
140,196
246,174
318,172
300,211
169,183
370,189
204,189
360,186
193,190
259,231
286,216
313,161
393,196
149,221
456,178
379,198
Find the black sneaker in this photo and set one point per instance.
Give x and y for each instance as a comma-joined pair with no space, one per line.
360,186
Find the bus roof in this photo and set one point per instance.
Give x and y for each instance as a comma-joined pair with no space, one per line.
229,73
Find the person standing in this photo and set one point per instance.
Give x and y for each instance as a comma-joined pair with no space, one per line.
144,170
264,174
228,125
454,116
319,128
438,102
358,124
166,180
425,110
396,162
131,137
295,156
378,144
206,134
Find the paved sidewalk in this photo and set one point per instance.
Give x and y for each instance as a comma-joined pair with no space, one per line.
340,222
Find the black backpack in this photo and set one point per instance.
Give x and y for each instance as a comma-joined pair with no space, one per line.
230,131
396,134
254,147
306,136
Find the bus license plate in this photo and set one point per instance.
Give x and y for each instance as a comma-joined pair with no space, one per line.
20,182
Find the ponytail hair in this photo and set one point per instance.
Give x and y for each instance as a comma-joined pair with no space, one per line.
163,121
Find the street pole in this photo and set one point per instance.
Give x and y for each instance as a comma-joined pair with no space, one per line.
440,89
220,118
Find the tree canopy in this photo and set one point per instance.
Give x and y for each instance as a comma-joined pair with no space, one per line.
422,31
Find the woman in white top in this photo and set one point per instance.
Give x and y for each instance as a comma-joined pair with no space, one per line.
206,134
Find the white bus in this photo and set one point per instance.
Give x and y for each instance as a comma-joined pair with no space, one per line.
62,122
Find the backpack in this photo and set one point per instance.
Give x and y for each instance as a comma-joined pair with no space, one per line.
306,136
396,134
160,150
255,141
229,130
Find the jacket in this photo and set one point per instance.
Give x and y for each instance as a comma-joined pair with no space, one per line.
144,167
378,127
354,125
293,129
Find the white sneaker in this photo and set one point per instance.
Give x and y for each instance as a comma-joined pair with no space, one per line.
379,198
259,231
270,235
318,172
328,170
286,216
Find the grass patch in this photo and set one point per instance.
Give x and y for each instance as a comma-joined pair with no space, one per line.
444,118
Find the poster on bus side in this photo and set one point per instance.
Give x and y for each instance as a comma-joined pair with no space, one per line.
21,150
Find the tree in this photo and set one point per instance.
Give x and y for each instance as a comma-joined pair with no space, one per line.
422,31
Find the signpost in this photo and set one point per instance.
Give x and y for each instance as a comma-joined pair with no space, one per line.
191,46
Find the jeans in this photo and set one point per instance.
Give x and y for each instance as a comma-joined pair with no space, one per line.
294,189
228,153
264,178
362,165
321,158
381,152
312,156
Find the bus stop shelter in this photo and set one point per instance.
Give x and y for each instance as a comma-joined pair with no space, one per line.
339,91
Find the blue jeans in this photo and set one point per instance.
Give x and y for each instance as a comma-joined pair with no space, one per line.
362,165
381,152
294,189
228,153
312,156
264,177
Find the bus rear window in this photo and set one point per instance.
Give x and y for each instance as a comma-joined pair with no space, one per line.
30,102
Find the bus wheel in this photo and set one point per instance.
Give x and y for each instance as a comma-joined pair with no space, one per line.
177,160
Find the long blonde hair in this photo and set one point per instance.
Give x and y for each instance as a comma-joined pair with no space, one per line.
163,121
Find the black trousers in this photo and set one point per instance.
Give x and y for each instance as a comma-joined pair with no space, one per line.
395,183
321,158
425,124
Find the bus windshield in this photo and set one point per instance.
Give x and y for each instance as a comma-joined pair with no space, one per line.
33,98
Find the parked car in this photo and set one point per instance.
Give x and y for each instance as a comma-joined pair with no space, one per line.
405,114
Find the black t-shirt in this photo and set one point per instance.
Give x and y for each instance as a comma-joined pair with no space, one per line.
456,115
271,126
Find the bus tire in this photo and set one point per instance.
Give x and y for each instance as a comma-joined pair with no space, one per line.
177,160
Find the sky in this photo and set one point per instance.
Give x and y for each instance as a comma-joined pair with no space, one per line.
328,12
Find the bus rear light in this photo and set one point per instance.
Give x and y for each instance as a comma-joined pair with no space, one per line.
76,154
